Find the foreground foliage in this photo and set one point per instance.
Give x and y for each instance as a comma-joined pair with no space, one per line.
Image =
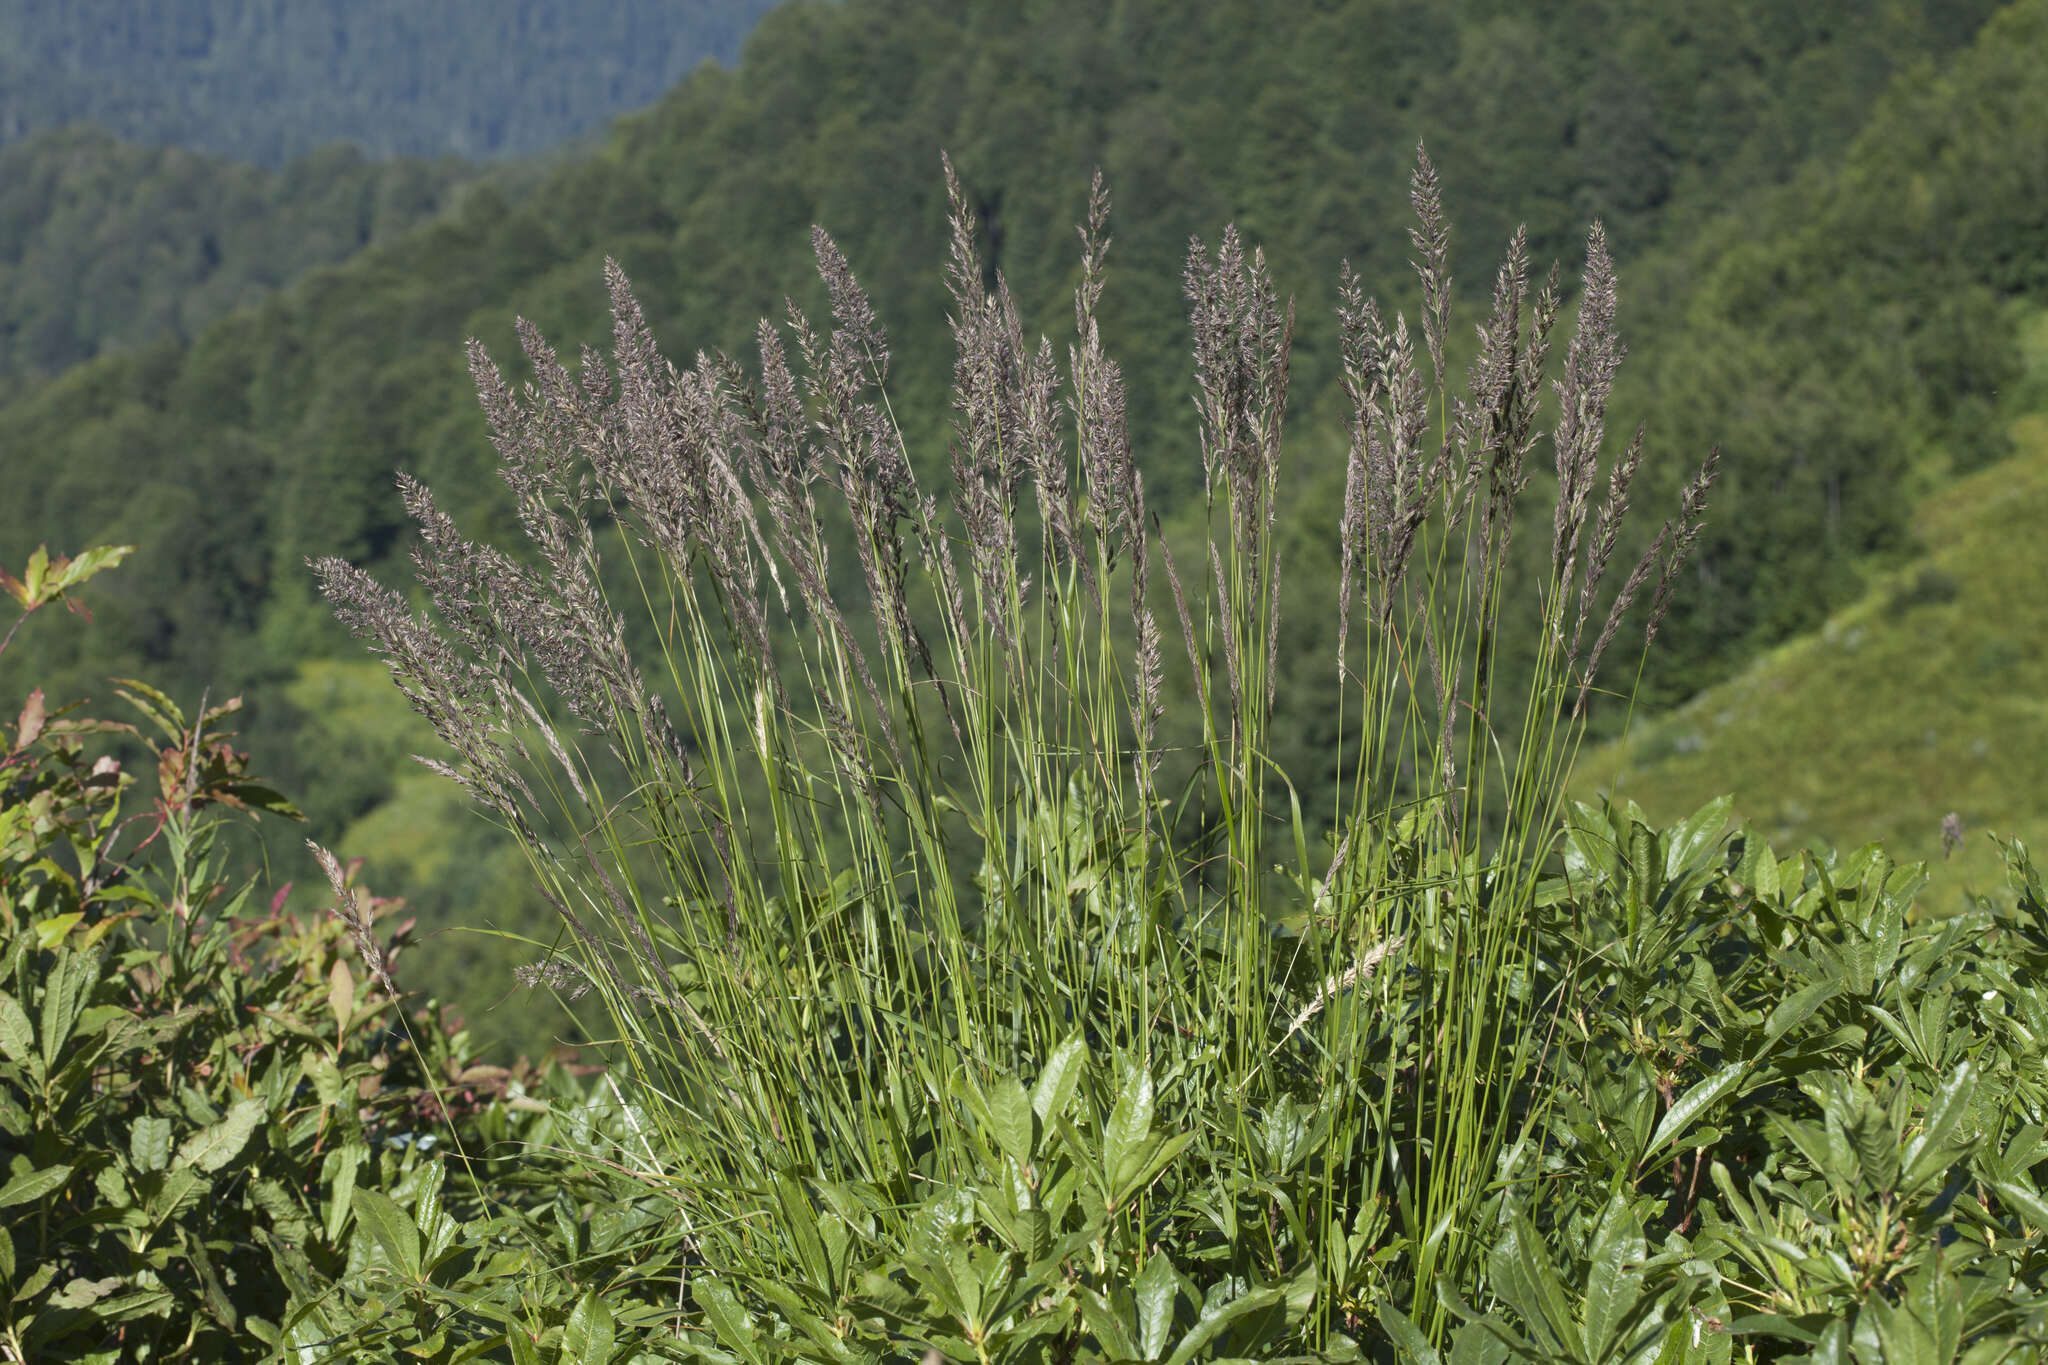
219,1135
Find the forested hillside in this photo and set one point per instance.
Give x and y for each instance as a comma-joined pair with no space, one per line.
268,83
106,244
1751,161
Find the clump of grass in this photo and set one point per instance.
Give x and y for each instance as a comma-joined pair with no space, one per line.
949,1029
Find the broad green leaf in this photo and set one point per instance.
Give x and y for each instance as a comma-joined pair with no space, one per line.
1930,1151
343,1162
146,1304
319,1068
1142,1165
1414,1346
64,999
1796,1010
17,1038
1695,835
179,1184
729,1322
37,578
435,1223
1758,868
1108,1321
391,1227
213,1147
32,1185
1215,1319
149,1143
1130,1123
587,1339
1009,1110
2024,1200
1529,1282
1481,1342
800,1221
83,1293
256,796
1690,1105
1155,1289
1833,1346
50,932
1285,1135
1614,1282
1057,1081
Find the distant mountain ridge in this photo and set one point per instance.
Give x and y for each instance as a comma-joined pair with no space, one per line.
269,82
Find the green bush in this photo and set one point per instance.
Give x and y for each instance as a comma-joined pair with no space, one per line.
212,1116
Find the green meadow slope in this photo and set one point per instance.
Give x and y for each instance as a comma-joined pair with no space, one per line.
1927,697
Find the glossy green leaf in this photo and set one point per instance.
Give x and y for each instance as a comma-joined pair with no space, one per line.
1413,1345
1154,1292
1689,1106
1798,1008
65,995
1130,1123
87,563
343,1163
1056,1082
180,1183
1931,1151
51,932
1216,1320
1525,1277
587,1338
1692,838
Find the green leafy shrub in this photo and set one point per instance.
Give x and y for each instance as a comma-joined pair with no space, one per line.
212,1118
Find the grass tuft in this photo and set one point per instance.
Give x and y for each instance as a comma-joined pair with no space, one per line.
947,1013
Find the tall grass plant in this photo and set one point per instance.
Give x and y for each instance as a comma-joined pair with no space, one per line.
951,1024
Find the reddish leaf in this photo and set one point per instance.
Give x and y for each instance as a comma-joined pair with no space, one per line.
31,723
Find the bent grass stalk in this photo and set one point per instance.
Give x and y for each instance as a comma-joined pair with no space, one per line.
841,873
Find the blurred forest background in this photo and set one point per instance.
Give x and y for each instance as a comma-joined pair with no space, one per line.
1831,222
270,80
